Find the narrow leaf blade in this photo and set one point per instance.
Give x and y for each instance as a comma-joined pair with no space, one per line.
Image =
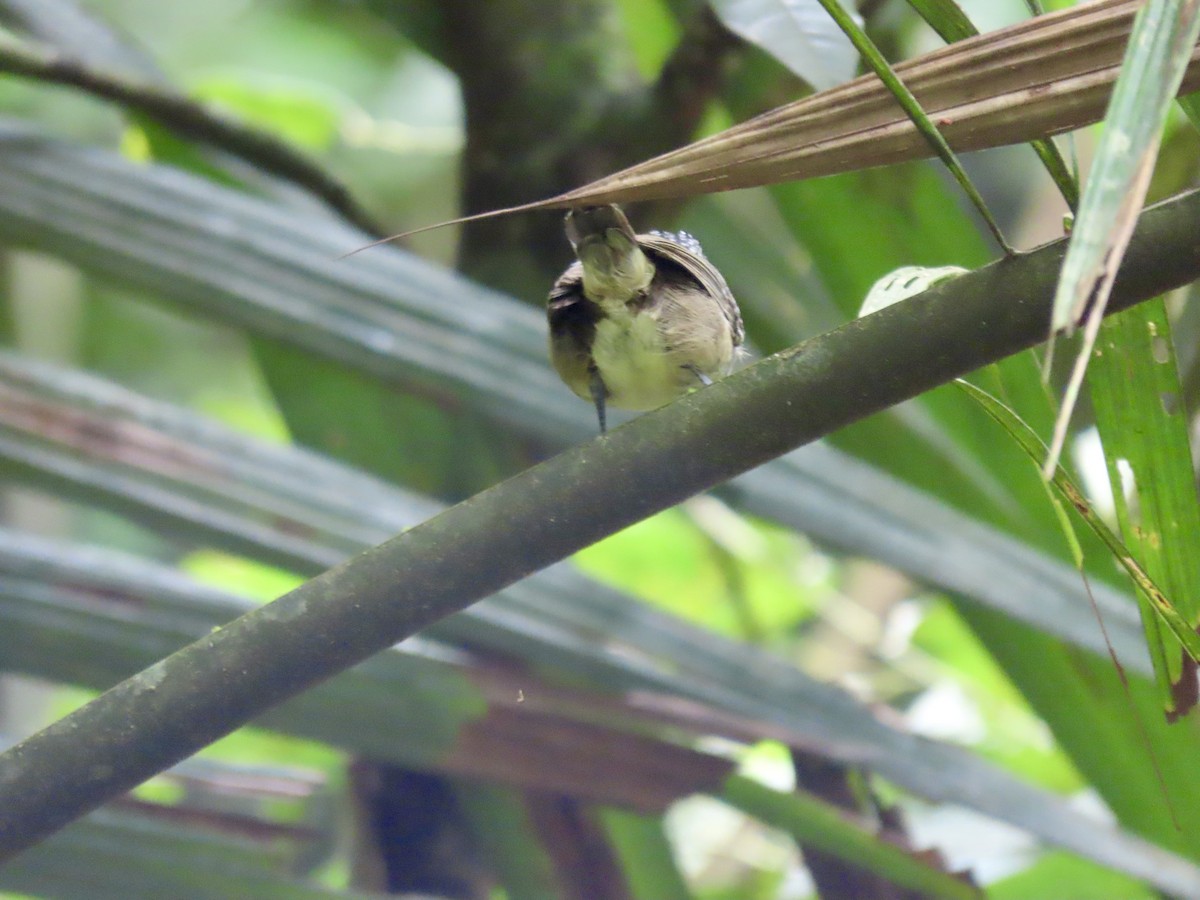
1033,446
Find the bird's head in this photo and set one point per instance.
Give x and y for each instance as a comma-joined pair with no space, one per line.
614,267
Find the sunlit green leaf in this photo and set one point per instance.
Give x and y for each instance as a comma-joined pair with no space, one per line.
1160,47
1136,393
1161,605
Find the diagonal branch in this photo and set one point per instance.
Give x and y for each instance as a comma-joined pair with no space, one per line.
548,512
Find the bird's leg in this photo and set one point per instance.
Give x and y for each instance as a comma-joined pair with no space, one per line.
599,394
704,379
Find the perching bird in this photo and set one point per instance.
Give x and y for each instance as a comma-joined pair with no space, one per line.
639,318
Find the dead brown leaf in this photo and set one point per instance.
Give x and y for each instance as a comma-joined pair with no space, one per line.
1038,78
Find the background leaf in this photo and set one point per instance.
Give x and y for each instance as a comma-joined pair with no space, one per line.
225,300
800,35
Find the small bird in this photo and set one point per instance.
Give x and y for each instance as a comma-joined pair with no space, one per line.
638,318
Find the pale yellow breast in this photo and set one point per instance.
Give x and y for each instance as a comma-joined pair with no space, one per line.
640,373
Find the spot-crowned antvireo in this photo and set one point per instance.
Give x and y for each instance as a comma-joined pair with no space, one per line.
638,318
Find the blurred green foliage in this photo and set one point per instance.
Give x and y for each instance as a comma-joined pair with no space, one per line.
361,98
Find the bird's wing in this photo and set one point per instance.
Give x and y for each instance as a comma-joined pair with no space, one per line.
684,250
566,291
572,319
